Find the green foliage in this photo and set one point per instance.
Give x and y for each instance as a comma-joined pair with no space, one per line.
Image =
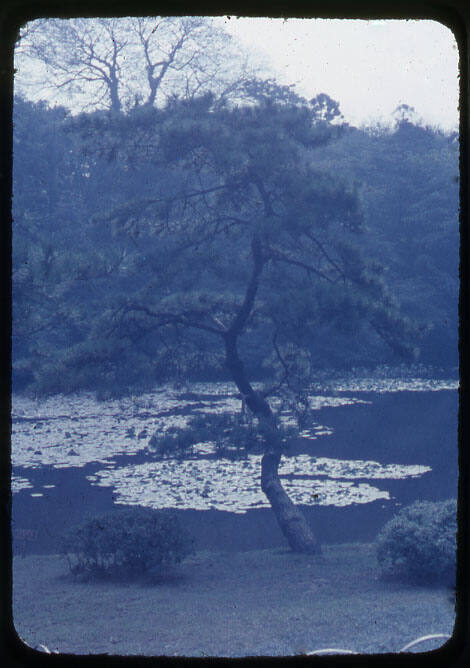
409,192
127,543
174,442
233,435
418,545
154,211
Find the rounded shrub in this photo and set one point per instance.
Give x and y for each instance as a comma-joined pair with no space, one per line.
418,545
232,437
127,543
175,442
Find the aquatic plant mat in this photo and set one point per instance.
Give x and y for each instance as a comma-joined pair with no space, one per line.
231,604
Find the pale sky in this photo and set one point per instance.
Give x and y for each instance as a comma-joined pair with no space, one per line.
369,67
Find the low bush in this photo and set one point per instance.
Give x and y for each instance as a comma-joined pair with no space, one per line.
127,543
234,437
418,545
232,434
175,442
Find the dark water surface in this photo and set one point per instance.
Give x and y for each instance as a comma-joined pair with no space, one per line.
396,428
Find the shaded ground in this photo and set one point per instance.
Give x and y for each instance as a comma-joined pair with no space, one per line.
265,602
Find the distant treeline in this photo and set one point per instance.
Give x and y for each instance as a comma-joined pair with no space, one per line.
85,189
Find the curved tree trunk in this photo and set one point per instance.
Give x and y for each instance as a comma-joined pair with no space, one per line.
290,519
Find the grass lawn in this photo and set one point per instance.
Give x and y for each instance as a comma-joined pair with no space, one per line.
264,602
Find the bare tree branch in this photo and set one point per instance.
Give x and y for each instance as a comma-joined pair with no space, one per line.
134,60
165,318
277,256
326,255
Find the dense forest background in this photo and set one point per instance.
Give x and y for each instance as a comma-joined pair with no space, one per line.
82,251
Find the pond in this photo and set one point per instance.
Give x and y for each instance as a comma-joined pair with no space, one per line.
371,445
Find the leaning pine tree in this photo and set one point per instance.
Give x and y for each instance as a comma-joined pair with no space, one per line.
243,250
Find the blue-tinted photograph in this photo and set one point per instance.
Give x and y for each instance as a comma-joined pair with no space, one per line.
235,366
